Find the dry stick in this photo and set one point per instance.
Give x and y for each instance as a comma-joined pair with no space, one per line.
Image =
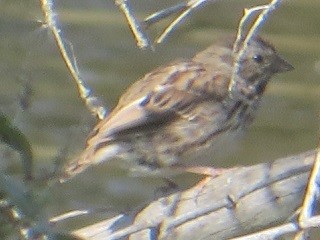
247,15
239,202
311,192
191,5
271,233
305,216
164,13
92,102
77,213
68,215
185,8
274,233
301,235
136,28
241,44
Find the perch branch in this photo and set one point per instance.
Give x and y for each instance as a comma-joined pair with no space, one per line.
255,200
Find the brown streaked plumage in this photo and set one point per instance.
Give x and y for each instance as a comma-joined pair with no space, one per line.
181,109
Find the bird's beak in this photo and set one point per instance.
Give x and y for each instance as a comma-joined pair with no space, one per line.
281,65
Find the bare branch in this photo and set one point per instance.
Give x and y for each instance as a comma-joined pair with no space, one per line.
256,200
136,28
311,195
164,13
311,192
190,6
92,102
248,14
241,42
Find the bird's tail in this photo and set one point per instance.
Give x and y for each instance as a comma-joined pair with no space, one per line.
89,157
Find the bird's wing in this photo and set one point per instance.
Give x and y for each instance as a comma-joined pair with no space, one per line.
166,93
158,97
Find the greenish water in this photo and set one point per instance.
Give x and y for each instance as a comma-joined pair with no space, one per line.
108,59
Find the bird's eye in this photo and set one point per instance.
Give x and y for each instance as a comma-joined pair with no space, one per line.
258,58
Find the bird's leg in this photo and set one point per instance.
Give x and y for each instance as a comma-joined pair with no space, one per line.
204,170
208,172
201,170
169,188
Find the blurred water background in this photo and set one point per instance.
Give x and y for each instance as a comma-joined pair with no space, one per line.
109,61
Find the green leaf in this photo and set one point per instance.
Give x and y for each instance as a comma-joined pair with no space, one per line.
14,138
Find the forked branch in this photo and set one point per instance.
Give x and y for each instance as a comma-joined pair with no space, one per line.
245,34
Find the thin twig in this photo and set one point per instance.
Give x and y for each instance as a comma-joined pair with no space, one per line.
136,28
191,5
311,193
271,233
278,231
241,43
164,13
301,235
247,15
78,213
92,102
68,215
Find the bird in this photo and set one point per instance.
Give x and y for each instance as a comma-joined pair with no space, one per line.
173,115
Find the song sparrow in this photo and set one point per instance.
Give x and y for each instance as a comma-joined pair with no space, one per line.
177,111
